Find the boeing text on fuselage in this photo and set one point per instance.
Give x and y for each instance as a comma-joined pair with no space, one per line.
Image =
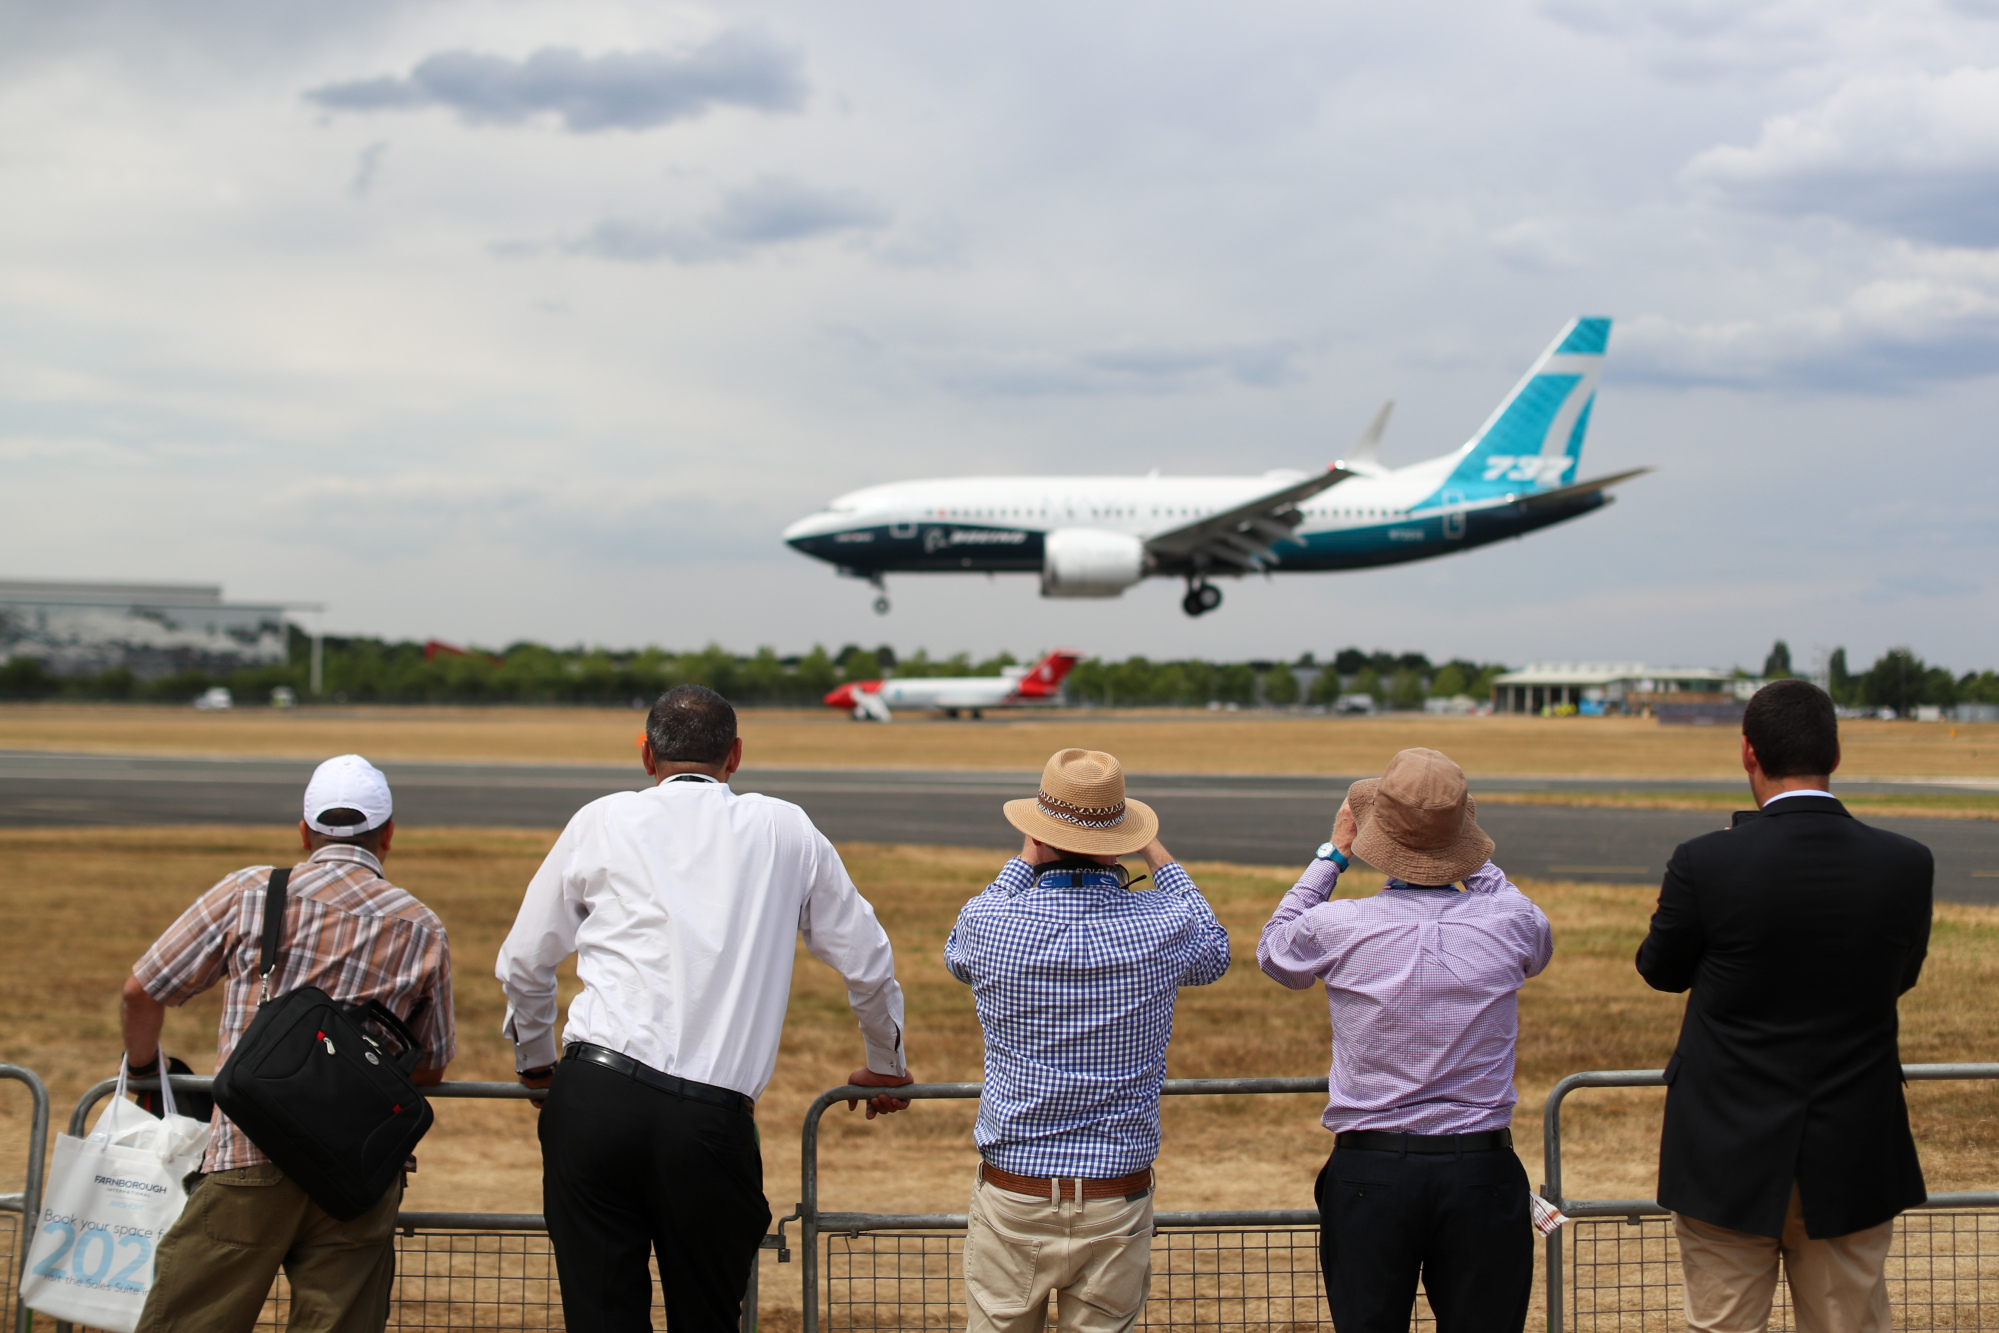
1097,536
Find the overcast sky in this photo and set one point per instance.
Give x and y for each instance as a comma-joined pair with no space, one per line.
491,321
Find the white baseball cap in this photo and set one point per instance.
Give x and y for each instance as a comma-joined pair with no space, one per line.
347,782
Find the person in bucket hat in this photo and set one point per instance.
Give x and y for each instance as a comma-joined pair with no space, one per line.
1074,968
1423,981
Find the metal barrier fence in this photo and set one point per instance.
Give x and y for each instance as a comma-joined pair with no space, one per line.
453,1270
18,1211
1211,1270
1623,1267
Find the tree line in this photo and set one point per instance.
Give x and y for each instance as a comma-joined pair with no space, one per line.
370,670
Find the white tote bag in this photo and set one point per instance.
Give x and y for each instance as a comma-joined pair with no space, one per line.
108,1200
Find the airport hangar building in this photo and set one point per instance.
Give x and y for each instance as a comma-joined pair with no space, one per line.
152,630
1613,687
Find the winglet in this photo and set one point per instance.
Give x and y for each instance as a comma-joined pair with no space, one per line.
1366,450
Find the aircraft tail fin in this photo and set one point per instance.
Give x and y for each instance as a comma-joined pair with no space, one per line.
1045,679
1534,440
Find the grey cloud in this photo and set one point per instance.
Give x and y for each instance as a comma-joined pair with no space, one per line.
1122,370
639,521
1888,337
1916,155
773,210
629,90
367,166
1700,41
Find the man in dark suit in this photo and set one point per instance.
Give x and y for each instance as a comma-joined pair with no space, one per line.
1786,1133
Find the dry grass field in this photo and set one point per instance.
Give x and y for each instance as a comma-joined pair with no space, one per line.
80,905
1161,741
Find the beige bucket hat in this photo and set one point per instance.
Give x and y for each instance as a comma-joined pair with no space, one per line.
1418,822
1081,807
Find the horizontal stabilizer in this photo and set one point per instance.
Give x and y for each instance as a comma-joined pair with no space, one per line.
1540,498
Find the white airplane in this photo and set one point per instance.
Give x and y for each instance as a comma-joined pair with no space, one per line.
1097,536
1014,687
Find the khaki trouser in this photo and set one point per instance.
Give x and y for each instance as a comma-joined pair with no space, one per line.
215,1265
1018,1248
1837,1284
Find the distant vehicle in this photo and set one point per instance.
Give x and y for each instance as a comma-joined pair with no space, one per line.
1354,703
1038,686
215,697
284,696
1097,536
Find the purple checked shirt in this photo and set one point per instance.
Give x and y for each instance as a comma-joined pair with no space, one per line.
1424,987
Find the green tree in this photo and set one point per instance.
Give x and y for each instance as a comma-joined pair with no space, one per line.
1325,687
815,675
1234,683
861,666
1900,680
1980,687
1405,690
1777,666
1367,681
1841,683
1280,685
1449,682
26,678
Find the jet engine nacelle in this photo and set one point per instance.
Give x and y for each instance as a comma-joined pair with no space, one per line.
1089,562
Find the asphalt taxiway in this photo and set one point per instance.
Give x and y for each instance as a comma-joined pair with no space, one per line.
1258,820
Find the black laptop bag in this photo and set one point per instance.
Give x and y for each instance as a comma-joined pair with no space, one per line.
320,1096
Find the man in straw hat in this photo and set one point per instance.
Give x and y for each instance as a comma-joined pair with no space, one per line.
1423,981
1075,976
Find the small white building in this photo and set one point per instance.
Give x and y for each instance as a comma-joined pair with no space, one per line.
1611,687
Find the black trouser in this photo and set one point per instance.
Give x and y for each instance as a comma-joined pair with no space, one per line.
627,1170
1460,1219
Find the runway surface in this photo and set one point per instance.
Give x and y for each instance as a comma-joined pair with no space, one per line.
1255,820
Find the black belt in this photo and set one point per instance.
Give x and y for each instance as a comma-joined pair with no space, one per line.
1383,1140
654,1078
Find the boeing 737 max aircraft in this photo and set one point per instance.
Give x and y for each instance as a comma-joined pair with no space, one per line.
1097,536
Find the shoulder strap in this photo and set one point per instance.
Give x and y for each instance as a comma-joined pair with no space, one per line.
274,926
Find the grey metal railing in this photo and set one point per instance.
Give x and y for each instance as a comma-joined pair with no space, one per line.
814,1224
27,1205
411,1225
1633,1211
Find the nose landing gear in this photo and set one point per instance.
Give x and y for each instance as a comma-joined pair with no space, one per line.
881,606
1202,597
881,590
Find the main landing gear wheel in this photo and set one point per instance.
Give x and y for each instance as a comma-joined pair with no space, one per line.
881,606
1201,598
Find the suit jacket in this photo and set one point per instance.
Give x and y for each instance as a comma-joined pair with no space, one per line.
1797,931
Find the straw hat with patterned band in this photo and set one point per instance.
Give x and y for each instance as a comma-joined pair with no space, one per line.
1418,822
1081,807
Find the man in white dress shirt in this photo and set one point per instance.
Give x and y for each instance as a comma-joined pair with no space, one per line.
681,904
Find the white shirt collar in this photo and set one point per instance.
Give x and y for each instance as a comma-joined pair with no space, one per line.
1801,791
690,777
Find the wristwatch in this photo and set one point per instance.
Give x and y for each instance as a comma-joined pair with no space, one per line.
1328,852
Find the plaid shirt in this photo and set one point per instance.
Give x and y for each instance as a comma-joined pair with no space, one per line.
1075,978
347,931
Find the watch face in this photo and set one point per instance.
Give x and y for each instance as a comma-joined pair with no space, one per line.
1325,851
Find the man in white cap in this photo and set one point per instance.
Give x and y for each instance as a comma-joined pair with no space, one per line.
1423,982
356,936
1075,977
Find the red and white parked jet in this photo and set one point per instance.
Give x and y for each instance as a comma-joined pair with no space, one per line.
1038,686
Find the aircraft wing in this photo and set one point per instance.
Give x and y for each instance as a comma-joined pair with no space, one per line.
1562,493
1245,535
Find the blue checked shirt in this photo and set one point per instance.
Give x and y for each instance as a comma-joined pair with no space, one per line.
1075,979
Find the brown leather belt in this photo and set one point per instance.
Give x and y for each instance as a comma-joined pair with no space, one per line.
1100,1187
